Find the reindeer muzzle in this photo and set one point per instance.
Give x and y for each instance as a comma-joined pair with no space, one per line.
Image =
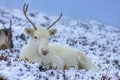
44,52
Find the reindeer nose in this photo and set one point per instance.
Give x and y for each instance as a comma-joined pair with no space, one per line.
44,51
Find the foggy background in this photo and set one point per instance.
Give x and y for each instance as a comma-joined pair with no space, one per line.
105,11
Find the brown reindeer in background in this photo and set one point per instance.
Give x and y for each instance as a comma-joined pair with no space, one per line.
6,37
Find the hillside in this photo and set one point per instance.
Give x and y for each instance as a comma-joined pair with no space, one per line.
98,41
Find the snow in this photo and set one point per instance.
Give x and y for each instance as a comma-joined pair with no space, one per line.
98,41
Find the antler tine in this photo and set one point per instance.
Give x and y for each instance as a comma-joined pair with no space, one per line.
10,24
55,21
3,24
25,7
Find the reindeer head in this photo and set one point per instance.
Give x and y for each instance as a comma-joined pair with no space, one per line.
6,37
40,35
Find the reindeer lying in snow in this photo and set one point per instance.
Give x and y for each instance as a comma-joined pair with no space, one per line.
6,37
39,50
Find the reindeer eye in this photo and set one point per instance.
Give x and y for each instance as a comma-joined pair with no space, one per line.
35,37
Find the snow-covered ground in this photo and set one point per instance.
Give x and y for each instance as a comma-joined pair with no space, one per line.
101,43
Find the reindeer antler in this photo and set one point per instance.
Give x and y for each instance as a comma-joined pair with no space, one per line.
25,7
2,23
10,24
55,21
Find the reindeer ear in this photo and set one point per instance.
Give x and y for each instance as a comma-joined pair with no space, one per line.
29,31
52,31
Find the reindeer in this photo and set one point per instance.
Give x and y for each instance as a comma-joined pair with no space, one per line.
6,37
39,50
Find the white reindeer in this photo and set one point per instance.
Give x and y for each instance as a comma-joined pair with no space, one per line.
38,49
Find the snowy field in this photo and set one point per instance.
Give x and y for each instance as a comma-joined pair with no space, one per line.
101,43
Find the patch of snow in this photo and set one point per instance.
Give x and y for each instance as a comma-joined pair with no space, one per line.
99,42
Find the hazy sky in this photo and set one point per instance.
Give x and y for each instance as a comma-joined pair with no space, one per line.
105,11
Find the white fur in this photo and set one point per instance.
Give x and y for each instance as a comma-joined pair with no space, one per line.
61,57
